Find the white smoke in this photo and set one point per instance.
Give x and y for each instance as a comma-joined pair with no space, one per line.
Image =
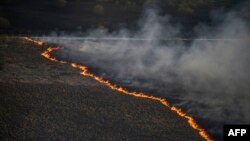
213,74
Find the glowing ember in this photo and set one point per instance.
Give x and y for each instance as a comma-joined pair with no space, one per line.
84,71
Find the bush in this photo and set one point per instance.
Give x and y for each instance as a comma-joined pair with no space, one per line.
4,23
98,9
60,3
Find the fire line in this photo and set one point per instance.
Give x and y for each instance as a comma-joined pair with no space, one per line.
85,72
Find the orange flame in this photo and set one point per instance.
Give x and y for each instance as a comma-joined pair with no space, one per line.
84,71
46,54
37,42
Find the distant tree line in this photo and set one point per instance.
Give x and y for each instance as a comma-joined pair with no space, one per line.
175,7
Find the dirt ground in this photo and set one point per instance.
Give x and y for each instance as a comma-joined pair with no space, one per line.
43,100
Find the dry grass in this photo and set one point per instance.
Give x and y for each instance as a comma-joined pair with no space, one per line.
42,100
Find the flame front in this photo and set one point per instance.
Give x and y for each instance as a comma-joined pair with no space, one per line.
85,72
37,42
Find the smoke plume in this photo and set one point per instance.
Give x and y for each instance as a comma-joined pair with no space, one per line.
208,74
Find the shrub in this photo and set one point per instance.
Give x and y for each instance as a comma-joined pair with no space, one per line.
99,9
4,23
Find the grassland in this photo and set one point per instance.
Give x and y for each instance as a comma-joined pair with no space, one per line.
43,100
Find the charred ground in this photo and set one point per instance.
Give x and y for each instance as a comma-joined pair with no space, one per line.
42,100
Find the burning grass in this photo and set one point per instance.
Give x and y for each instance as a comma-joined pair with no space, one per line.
50,101
85,72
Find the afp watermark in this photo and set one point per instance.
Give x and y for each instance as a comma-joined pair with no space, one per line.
236,132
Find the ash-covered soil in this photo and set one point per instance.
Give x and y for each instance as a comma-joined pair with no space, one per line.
43,100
